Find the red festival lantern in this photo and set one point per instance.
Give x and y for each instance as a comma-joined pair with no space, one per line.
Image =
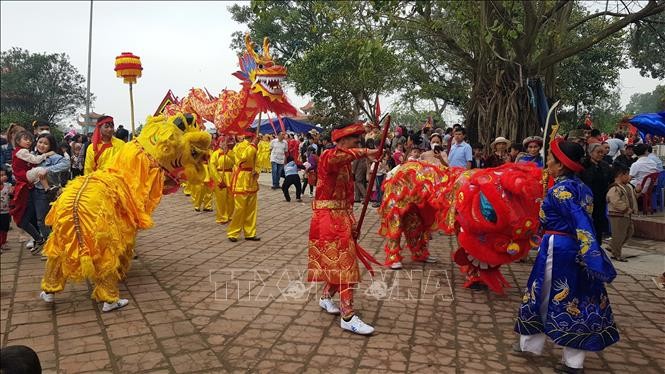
128,67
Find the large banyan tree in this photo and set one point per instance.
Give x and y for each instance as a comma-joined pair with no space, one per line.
498,45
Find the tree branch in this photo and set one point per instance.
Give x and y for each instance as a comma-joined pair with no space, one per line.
550,12
448,41
595,15
652,8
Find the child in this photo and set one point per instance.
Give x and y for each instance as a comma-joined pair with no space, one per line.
310,170
77,160
380,176
516,151
478,161
5,191
621,203
23,140
291,177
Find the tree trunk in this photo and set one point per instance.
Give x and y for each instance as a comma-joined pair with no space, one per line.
499,106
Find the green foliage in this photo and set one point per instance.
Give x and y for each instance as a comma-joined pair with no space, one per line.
38,86
416,120
589,77
607,113
648,102
647,46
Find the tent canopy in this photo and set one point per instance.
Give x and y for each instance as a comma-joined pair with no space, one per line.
290,124
649,123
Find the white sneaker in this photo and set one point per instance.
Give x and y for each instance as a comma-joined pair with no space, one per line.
47,297
396,265
329,306
431,260
30,243
356,325
113,306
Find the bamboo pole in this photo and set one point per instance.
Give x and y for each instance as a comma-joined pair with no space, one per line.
131,105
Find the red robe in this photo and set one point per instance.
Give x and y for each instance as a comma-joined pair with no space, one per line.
21,189
294,150
332,250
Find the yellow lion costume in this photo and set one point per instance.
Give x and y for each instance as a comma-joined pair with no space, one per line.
96,218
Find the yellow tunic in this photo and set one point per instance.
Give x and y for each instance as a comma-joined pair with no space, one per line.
202,192
105,160
221,170
244,185
264,156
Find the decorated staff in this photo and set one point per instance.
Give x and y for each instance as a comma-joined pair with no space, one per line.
547,142
128,67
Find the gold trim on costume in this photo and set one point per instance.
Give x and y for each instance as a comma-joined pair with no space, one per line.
330,204
77,224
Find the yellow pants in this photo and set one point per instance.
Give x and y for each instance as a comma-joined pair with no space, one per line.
244,216
201,197
223,204
106,288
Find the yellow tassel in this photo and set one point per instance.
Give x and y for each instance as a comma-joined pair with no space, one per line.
87,267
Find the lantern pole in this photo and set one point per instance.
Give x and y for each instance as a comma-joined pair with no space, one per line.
87,100
131,104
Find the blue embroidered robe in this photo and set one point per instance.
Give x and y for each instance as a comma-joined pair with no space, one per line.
578,313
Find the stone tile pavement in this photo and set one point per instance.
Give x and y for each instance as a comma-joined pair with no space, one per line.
199,303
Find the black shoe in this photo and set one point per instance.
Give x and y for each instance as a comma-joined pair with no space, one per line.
253,238
478,286
233,240
561,368
37,247
207,210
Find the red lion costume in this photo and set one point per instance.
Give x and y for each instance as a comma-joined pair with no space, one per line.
494,213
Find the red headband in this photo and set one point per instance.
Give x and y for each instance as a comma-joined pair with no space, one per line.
104,120
565,160
354,129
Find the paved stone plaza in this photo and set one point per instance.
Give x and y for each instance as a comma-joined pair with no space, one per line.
199,303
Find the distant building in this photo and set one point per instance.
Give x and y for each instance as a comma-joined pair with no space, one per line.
88,123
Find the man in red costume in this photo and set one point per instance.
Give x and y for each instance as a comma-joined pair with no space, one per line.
333,251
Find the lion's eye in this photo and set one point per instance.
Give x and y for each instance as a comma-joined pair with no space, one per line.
194,153
487,209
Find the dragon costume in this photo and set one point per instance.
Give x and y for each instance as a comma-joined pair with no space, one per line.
233,112
494,213
96,218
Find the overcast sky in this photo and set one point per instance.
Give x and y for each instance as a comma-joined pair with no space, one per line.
181,45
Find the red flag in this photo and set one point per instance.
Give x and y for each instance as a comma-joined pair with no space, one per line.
378,110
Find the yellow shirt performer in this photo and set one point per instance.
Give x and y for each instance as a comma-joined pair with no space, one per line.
104,146
264,154
221,170
202,192
244,185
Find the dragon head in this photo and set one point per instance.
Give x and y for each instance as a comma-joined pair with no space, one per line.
178,146
259,70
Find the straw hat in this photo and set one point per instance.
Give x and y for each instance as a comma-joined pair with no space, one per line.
532,139
500,139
